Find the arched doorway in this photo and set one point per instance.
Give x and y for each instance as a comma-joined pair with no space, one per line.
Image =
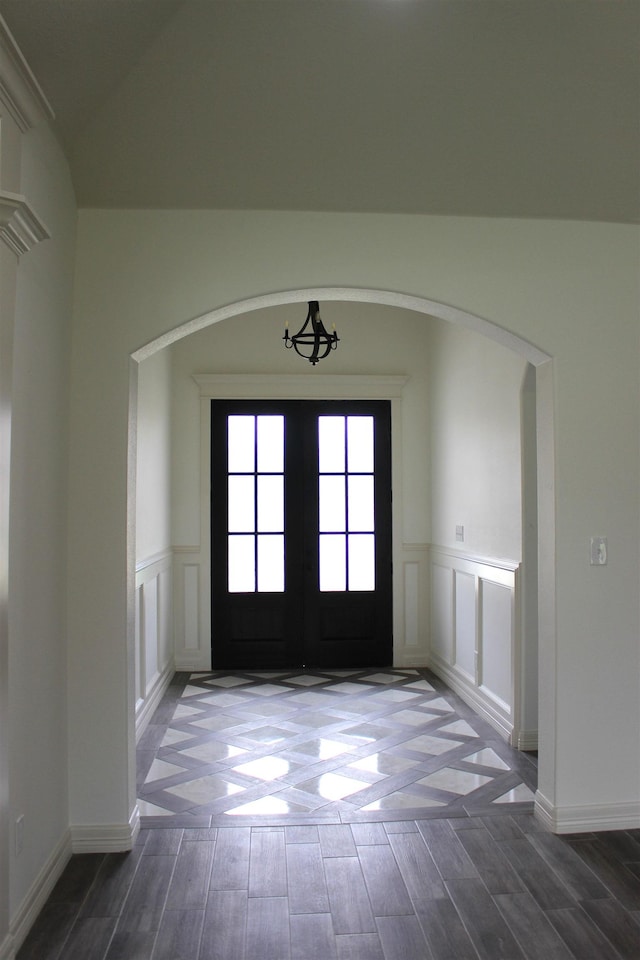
534,356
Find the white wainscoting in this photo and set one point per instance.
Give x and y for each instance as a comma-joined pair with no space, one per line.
154,659
192,611
475,633
192,608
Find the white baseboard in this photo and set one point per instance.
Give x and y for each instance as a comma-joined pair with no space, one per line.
152,700
526,740
36,897
472,697
7,948
198,663
593,818
106,837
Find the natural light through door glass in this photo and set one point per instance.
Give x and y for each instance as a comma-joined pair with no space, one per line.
361,561
255,510
333,505
346,503
333,571
360,444
242,564
241,444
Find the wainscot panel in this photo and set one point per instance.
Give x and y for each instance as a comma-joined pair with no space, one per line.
475,634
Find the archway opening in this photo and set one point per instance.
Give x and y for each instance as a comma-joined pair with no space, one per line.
542,399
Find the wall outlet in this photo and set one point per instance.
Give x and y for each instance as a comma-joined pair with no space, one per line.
460,533
19,835
598,551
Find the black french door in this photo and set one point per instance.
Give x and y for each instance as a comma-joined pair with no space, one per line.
301,533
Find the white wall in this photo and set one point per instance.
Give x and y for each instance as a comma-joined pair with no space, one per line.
37,775
477,450
549,283
474,417
154,586
374,340
153,470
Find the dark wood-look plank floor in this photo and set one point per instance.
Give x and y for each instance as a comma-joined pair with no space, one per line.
481,889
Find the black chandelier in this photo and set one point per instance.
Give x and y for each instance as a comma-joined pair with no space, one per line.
312,342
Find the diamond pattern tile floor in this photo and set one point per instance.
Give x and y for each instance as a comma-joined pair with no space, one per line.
323,746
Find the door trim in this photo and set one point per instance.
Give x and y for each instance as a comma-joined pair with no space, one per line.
299,387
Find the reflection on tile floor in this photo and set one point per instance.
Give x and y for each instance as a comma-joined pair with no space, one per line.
336,745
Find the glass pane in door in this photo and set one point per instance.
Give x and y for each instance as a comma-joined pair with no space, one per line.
346,503
255,503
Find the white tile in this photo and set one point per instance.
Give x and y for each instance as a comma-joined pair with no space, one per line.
487,758
182,711
420,685
350,688
267,806
160,769
455,781
205,789
383,678
266,768
308,697
190,691
395,696
218,723
222,700
213,751
439,704
412,717
227,681
332,786
459,726
519,794
322,749
266,690
382,764
426,744
147,809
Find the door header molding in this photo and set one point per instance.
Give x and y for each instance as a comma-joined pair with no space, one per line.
229,386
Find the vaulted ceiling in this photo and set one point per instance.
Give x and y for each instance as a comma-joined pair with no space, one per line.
508,108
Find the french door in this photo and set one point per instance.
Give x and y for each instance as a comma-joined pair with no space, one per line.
300,533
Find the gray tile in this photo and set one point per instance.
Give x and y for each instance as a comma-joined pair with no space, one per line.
402,938
387,892
306,883
350,906
363,946
312,937
223,935
490,934
179,935
268,935
267,865
533,931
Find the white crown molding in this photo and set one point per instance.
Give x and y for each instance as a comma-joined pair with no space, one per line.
20,92
20,227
